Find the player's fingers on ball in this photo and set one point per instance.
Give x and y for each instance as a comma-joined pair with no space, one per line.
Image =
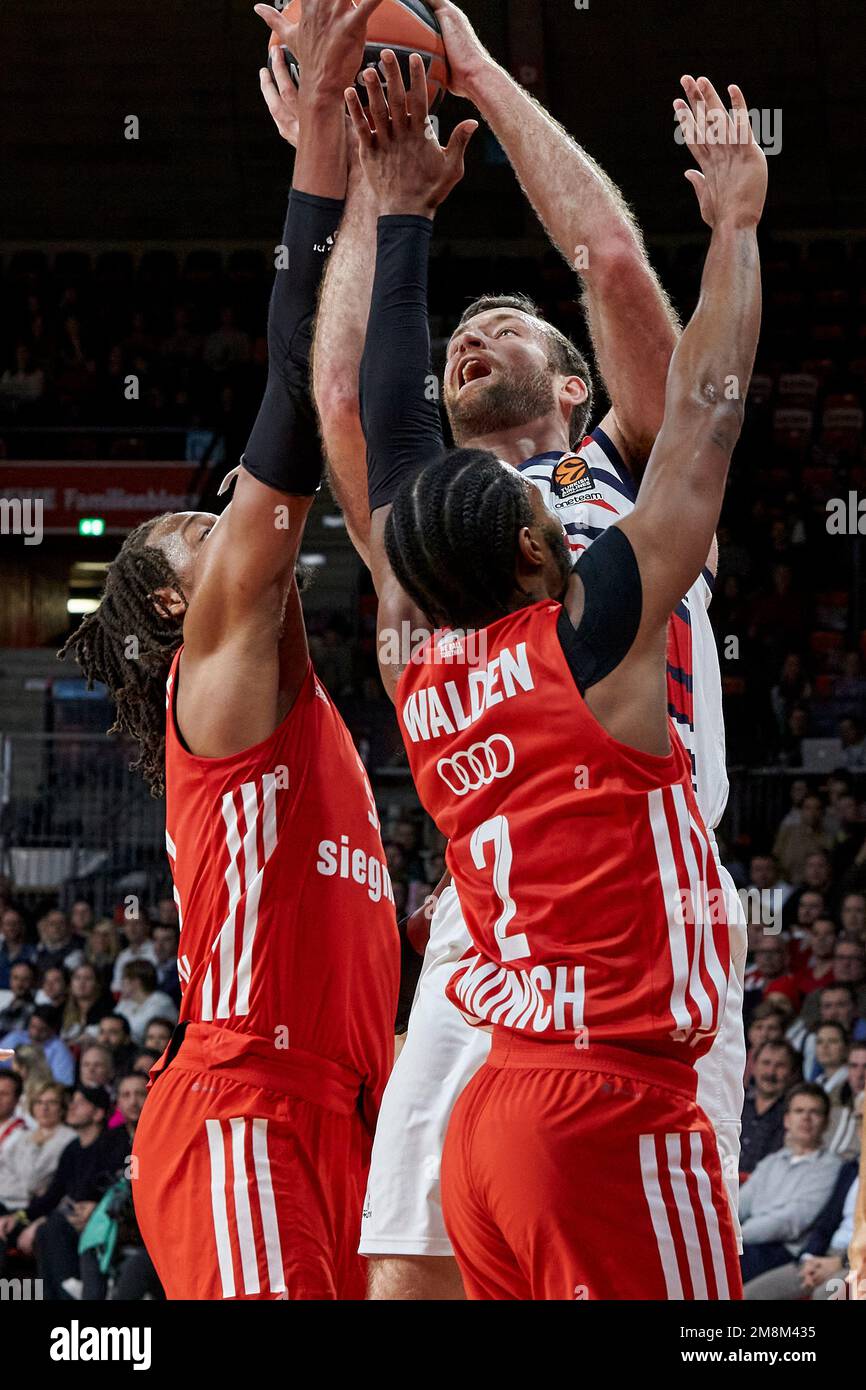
417,98
280,70
272,17
364,9
378,105
270,93
397,102
358,117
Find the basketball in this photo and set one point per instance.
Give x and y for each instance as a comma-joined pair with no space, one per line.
407,26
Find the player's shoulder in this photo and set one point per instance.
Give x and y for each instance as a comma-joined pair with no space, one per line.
592,470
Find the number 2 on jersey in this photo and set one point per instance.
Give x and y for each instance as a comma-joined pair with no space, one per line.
495,832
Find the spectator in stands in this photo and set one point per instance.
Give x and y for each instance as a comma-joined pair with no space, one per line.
821,1263
798,726
831,1056
144,1060
853,743
88,1002
140,1000
113,1033
58,944
847,836
767,1025
816,956
54,987
43,1027
787,1190
165,939
794,843
768,974
800,911
15,1014
103,949
765,878
24,384
31,1065
774,1069
852,916
845,1126
96,1068
157,1035
81,917
817,878
798,791
139,947
836,1004
166,913
54,1221
793,688
29,1160
14,946
849,969
11,1090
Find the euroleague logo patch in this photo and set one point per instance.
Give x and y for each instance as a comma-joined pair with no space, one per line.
572,481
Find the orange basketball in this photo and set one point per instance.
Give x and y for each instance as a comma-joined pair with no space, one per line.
407,26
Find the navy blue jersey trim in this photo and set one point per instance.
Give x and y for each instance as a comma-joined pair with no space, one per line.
613,454
540,458
680,718
681,677
571,528
710,578
682,612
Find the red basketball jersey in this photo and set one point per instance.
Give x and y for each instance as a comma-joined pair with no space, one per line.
288,929
583,867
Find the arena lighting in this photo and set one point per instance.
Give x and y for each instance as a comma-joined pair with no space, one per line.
334,521
314,561
82,605
91,526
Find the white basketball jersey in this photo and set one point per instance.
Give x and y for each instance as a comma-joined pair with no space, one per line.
591,489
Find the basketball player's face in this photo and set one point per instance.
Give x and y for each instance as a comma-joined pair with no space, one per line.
498,375
181,537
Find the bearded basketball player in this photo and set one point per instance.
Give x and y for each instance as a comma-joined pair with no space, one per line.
516,386
577,1158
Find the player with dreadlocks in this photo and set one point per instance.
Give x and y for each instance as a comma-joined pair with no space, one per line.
589,883
254,1143
127,621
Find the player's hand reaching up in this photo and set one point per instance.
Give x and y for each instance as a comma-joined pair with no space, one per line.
406,167
732,183
281,95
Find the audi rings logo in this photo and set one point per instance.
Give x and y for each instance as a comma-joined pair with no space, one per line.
480,765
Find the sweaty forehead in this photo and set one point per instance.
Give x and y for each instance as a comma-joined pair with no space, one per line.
490,319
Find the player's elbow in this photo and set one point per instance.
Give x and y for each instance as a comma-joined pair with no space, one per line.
702,410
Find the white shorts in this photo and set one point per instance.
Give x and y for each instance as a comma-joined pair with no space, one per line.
441,1054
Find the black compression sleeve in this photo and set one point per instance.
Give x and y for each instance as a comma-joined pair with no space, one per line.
399,409
612,605
283,449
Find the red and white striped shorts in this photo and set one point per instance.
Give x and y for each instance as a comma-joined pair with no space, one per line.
563,1178
243,1191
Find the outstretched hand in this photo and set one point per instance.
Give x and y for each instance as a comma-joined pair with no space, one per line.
732,181
406,167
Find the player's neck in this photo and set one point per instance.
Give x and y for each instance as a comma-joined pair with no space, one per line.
521,442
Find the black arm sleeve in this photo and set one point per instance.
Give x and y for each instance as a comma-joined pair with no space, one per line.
612,605
399,392
283,449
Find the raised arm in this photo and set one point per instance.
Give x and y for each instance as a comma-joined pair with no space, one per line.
243,632
410,175
678,505
682,491
633,327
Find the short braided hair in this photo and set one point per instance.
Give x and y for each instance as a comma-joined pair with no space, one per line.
100,645
451,537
